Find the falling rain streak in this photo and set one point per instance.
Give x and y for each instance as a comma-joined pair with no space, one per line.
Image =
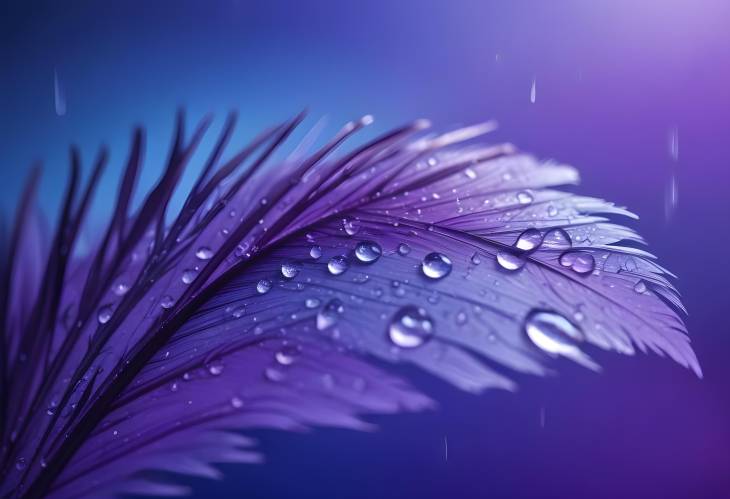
671,194
59,96
533,91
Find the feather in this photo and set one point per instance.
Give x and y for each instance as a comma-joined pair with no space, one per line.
283,291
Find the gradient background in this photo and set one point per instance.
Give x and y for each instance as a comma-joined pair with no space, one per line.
613,78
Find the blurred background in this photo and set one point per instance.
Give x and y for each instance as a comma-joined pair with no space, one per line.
634,93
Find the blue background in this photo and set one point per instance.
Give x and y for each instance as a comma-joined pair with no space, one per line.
612,79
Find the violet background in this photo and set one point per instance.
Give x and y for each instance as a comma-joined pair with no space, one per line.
613,78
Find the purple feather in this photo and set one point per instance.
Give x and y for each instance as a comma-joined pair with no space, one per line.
283,289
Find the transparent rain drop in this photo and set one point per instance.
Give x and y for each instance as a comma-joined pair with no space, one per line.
529,240
403,249
533,91
351,226
368,251
410,327
105,313
120,289
311,302
290,269
204,253
640,287
330,314
580,261
509,261
337,264
188,275
557,239
167,302
264,286
287,355
524,197
315,252
554,334
436,265
236,402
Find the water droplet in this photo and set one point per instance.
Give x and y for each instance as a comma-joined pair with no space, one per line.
471,174
529,240
215,369
173,387
524,197
461,318
167,302
476,259
337,264
120,289
290,269
105,313
315,252
410,327
188,275
580,261
330,313
236,402
436,266
403,249
287,355
557,239
238,312
553,333
351,226
640,287
20,464
264,286
204,253
311,302
509,261
273,374
368,251
552,210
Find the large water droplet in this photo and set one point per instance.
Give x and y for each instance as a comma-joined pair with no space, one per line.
204,253
188,275
368,251
315,252
105,313
557,239
509,261
410,327
330,314
351,226
290,269
580,261
436,265
264,286
552,333
403,249
337,264
529,240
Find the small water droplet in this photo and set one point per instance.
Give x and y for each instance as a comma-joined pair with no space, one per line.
368,251
120,289
204,253
337,264
167,302
236,402
557,239
410,327
238,311
524,197
273,374
105,313
311,302
529,240
290,269
403,249
351,226
188,275
263,286
476,259
552,210
461,318
215,369
330,314
287,355
509,261
20,464
315,252
471,174
436,265
640,287
580,261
